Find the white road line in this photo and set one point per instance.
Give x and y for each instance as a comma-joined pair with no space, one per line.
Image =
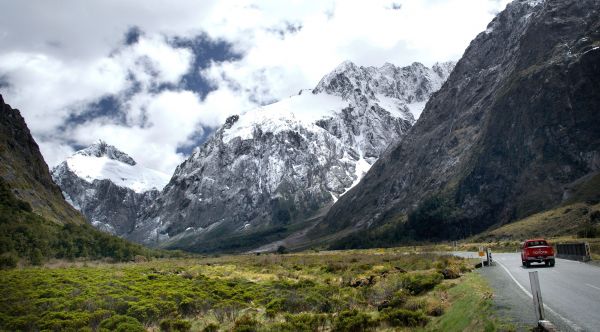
598,288
567,321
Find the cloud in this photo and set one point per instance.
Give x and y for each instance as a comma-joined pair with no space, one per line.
154,77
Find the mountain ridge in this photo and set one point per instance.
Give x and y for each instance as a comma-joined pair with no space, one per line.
108,186
23,169
495,143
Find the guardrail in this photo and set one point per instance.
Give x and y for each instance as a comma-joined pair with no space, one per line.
574,251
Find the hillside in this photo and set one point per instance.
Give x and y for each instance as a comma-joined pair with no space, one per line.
36,223
23,168
513,126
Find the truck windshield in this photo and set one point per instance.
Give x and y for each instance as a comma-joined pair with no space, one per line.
536,243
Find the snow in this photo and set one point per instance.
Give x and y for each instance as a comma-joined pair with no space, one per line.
590,50
360,169
394,106
288,114
135,177
416,108
534,3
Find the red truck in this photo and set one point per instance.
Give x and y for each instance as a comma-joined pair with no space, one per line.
538,251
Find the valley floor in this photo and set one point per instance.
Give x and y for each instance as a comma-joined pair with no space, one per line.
359,290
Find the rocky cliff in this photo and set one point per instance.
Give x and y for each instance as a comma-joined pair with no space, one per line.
24,170
516,122
108,186
277,165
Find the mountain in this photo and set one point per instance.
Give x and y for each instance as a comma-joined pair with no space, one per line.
108,186
24,170
516,123
36,223
269,169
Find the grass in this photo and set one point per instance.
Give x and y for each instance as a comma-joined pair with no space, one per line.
570,223
471,308
357,290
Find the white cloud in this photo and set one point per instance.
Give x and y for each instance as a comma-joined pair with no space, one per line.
59,57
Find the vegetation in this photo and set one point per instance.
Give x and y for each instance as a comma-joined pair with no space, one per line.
471,308
336,291
32,239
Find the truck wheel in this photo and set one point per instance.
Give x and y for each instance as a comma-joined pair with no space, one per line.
550,262
527,264
524,263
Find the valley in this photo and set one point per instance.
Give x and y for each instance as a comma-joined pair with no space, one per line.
182,184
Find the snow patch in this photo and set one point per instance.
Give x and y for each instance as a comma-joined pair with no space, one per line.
302,110
416,108
135,177
360,169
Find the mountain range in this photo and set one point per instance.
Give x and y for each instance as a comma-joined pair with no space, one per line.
263,170
394,153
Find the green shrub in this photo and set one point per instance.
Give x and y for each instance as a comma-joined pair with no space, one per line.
211,327
245,323
121,323
36,257
273,307
301,322
353,321
403,317
8,261
61,321
175,325
146,313
418,283
414,304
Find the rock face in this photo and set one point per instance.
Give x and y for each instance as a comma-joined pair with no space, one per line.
281,163
517,120
108,186
23,168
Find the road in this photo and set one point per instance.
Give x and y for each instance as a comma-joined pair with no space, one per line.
570,291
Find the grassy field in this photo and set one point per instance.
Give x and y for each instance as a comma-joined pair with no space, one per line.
386,290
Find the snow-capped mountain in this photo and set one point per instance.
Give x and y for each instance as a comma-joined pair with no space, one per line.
272,166
108,186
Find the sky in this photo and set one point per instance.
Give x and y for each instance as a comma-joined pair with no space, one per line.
156,78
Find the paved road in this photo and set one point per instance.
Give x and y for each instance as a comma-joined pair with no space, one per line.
570,291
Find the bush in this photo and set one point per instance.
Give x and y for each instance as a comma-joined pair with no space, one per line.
212,327
353,321
302,322
8,261
146,313
121,323
274,307
418,283
175,325
451,272
36,257
403,317
245,323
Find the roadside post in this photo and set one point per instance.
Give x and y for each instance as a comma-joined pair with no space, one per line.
482,254
538,304
488,252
